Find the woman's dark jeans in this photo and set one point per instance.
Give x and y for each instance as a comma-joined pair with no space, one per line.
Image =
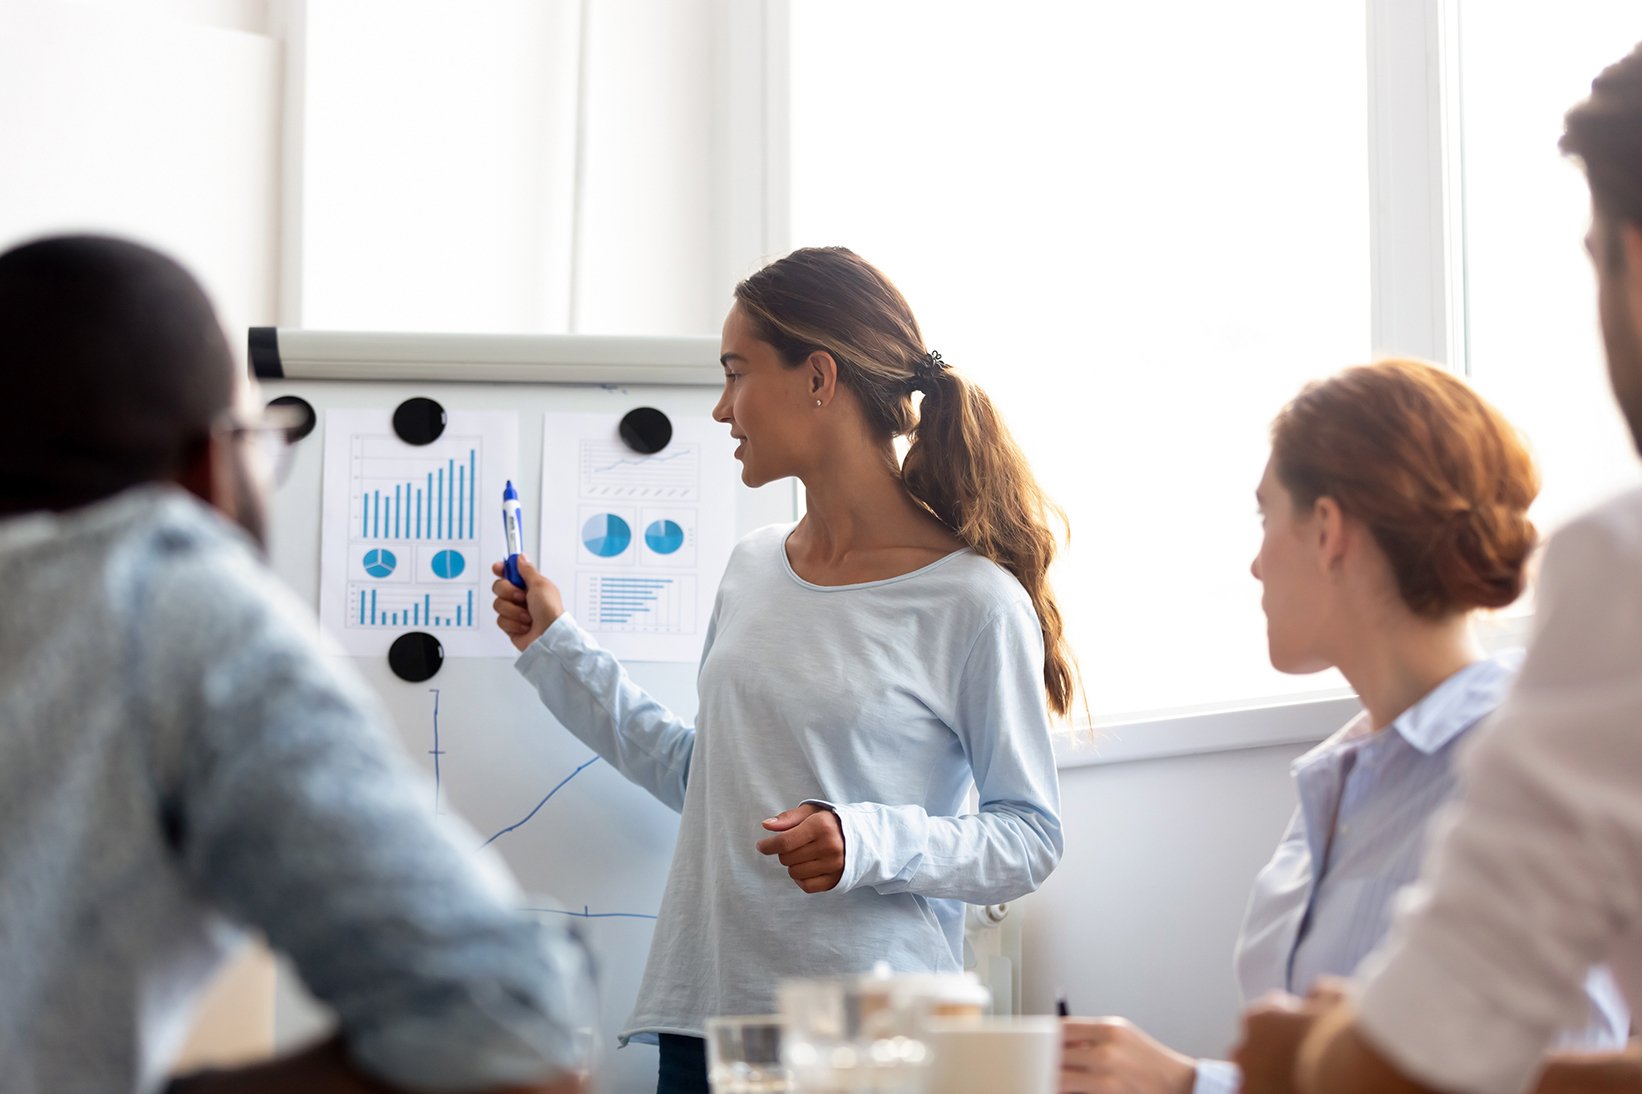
683,1067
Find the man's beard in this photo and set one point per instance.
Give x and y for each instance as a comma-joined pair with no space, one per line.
250,503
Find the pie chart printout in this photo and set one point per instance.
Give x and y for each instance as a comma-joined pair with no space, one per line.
664,537
448,564
606,535
379,562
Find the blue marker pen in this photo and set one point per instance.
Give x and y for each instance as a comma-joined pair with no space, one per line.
513,524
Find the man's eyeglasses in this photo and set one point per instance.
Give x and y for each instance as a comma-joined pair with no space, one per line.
270,433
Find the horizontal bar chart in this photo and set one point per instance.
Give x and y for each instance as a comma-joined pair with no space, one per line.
616,602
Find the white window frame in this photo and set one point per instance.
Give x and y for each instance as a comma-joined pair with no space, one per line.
752,143
1417,276
1415,178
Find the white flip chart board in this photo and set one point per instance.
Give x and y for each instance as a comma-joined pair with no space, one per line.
571,828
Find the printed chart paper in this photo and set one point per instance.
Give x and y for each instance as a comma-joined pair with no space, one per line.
637,543
410,531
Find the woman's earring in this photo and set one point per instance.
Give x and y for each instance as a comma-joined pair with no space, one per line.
818,402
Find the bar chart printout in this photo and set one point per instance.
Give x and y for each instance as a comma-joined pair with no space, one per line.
406,542
643,538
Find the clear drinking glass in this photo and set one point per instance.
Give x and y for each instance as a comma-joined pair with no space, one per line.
852,1034
586,1042
744,1055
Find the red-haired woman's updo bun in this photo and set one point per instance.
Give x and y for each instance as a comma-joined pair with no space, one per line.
1440,478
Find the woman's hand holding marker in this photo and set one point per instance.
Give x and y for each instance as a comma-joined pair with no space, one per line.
810,844
523,614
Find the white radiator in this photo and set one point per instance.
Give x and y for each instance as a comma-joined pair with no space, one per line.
992,951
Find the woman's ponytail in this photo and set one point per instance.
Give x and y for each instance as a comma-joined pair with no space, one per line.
963,464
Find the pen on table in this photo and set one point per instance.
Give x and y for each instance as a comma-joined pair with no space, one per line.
513,525
1060,1005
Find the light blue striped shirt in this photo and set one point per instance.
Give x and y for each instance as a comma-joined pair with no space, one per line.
1326,898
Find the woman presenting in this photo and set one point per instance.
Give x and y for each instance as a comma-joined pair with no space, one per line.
861,669
1394,505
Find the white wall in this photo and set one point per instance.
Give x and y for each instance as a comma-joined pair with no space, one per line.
139,121
522,166
434,154
647,229
1141,916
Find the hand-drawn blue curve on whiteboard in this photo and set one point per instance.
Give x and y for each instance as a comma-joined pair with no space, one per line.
448,564
379,562
436,751
584,766
587,913
606,535
664,537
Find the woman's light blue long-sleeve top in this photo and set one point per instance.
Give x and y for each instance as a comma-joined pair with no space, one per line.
886,701
1367,800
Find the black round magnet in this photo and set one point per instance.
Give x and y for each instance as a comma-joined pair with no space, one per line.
646,430
305,424
419,421
415,656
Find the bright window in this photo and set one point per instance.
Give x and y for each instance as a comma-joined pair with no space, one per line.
1533,345
156,121
1141,227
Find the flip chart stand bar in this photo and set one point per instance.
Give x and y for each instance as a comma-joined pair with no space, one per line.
287,353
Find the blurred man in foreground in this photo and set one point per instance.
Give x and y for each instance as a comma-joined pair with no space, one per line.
181,764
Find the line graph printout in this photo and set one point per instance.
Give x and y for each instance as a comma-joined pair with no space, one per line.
409,531
638,542
610,469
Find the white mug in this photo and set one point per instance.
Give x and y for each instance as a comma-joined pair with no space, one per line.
1020,1055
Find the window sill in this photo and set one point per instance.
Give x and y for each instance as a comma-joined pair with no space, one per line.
1153,737
1301,719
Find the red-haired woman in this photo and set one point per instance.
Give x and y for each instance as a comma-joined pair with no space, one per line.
1395,505
863,669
